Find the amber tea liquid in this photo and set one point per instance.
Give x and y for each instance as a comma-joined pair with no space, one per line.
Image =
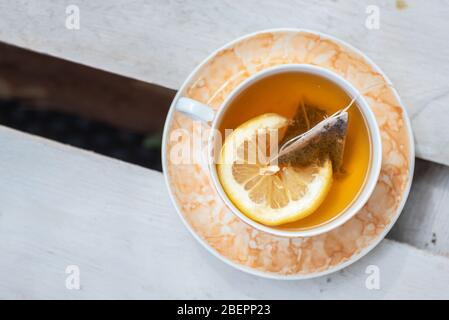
282,94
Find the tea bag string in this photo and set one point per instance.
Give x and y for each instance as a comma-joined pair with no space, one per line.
359,94
290,144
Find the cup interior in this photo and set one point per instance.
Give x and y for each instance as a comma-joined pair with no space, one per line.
374,141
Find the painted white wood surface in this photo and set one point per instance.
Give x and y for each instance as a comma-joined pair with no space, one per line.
161,42
62,206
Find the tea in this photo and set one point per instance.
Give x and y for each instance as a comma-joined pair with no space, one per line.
283,94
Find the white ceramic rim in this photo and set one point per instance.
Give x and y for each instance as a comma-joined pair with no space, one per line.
271,275
375,145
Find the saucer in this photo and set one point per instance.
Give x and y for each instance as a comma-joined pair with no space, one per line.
257,252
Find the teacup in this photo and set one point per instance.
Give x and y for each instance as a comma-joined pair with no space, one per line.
200,111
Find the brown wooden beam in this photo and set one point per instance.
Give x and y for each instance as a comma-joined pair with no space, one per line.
54,84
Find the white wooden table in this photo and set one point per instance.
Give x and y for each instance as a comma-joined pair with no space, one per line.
63,206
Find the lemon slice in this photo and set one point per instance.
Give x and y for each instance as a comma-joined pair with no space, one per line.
265,193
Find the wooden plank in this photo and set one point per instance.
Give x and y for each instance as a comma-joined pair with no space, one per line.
161,42
61,206
47,83
425,220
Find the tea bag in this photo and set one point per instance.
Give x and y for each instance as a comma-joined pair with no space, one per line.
312,136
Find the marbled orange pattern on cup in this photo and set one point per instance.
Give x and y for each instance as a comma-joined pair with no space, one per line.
236,241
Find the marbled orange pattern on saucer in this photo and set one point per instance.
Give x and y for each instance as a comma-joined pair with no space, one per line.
233,239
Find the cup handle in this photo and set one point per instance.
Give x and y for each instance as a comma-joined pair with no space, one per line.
195,109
